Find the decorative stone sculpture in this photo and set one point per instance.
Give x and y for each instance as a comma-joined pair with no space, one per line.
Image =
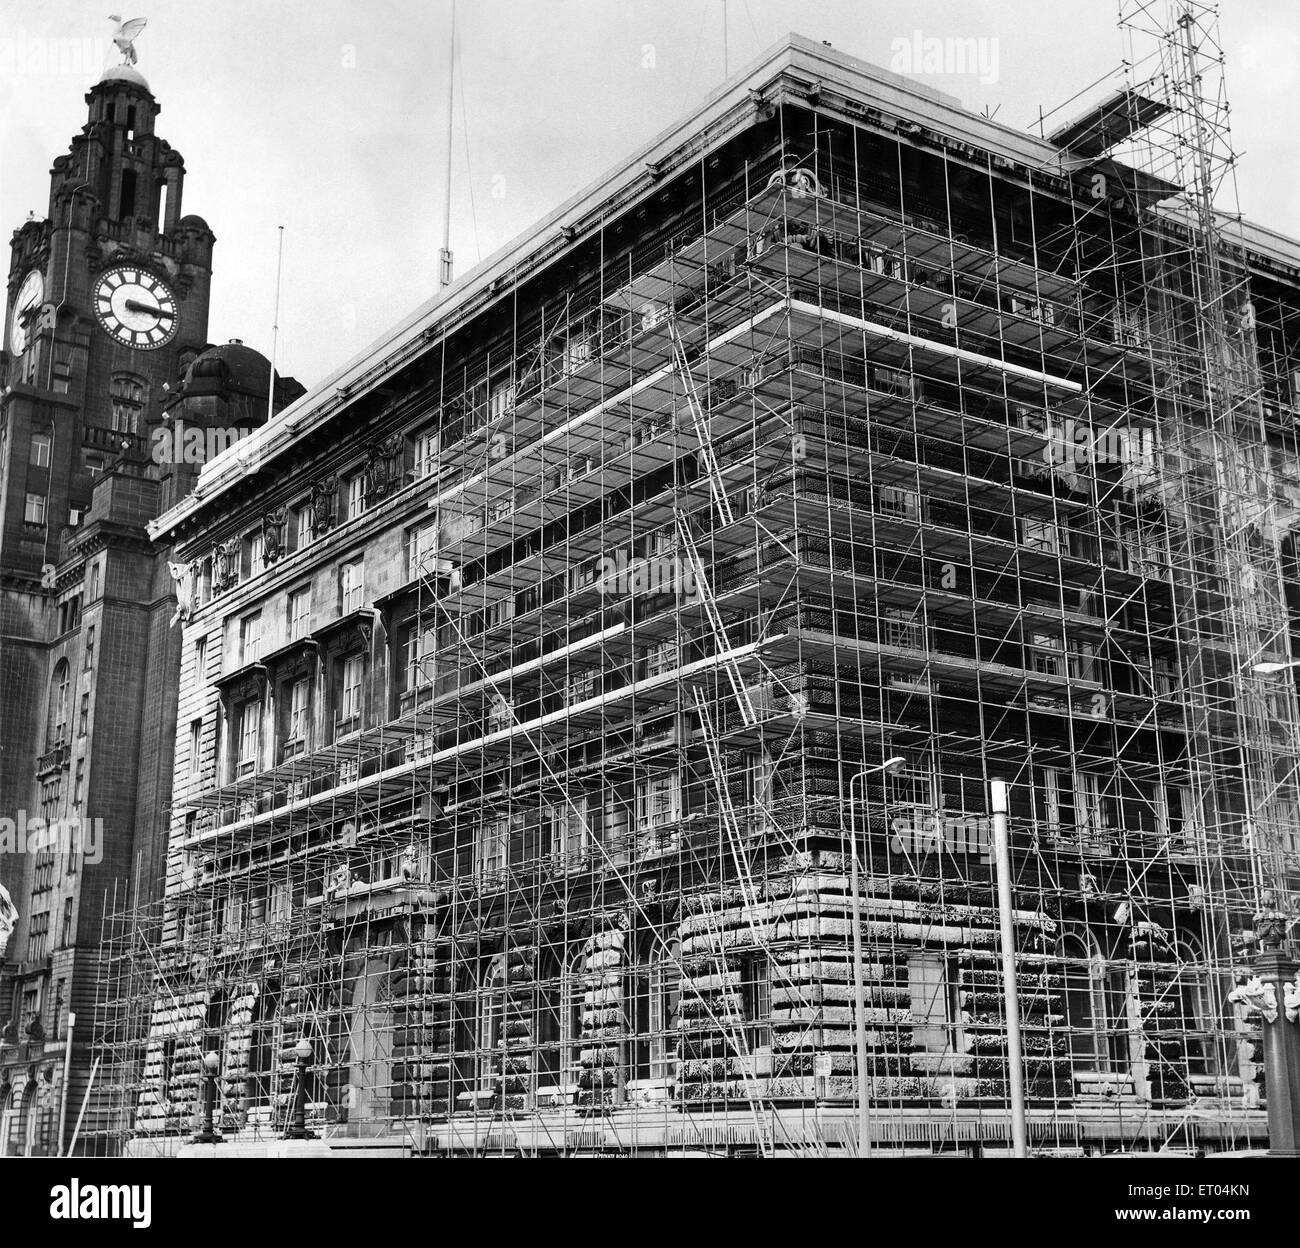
1257,996
184,577
1291,999
322,505
410,862
225,564
383,470
273,536
340,881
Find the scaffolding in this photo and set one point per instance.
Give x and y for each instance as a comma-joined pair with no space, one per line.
877,444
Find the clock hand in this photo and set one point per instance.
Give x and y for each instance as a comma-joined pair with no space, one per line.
134,305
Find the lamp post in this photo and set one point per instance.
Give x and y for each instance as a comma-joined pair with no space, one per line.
1010,997
889,766
1278,975
211,1065
297,1129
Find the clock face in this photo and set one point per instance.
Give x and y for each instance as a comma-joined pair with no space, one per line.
135,307
27,306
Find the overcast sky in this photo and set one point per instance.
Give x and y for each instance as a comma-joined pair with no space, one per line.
328,118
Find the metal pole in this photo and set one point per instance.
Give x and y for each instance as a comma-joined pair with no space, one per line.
67,1071
85,1100
859,990
444,265
1015,1061
275,329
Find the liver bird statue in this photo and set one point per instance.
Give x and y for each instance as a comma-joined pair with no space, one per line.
126,34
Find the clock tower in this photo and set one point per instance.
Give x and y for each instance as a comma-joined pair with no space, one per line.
107,304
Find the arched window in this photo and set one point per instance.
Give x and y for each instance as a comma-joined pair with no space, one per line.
1093,1008
652,994
56,728
1199,1021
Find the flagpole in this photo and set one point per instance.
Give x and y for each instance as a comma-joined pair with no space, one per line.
275,329
444,265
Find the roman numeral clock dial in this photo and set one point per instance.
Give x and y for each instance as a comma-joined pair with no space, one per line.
136,308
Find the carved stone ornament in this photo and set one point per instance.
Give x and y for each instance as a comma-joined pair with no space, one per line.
410,862
273,535
225,564
1257,996
383,467
186,578
322,505
1291,1000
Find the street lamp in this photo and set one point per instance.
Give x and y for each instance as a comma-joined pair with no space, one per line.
297,1129
211,1064
888,767
1015,1057
1271,668
1276,974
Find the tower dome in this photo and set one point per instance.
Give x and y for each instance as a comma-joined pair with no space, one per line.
125,73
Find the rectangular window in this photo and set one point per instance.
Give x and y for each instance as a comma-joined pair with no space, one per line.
1046,653
351,581
1040,535
83,715
1083,660
356,486
254,554
250,733
658,801
65,934
494,838
78,781
196,746
756,998
299,613
34,512
200,658
302,525
94,467
280,906
662,657
92,584
350,700
38,935
250,638
581,686
90,647
51,796
421,551
298,704
40,457
428,446
893,501
1088,812
901,629
419,657
567,831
